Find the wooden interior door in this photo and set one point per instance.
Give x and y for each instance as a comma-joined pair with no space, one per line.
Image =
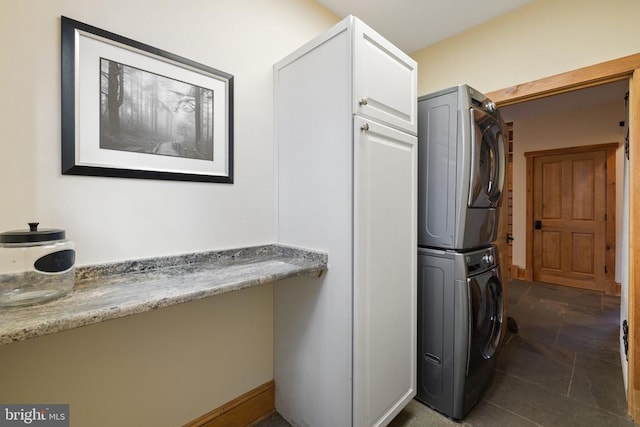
569,207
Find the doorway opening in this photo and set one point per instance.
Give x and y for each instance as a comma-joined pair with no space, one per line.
589,118
628,69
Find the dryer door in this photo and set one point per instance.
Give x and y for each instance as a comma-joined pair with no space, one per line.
486,313
488,160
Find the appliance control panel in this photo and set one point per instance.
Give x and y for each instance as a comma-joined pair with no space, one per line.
482,260
480,101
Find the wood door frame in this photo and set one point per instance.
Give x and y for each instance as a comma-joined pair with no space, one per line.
627,67
610,207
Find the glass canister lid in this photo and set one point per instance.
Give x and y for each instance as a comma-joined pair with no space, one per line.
32,235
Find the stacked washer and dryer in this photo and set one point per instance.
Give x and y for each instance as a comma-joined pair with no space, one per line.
461,170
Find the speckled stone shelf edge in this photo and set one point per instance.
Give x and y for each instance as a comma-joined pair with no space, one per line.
221,257
110,291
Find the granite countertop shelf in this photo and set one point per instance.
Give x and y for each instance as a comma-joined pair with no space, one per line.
110,291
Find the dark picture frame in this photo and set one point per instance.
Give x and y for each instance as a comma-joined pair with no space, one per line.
130,110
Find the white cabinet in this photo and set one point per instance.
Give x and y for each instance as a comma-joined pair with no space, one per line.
345,345
385,80
384,271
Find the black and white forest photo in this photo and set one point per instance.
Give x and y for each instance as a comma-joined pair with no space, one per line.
144,112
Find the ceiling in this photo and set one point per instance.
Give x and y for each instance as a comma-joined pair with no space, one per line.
583,98
414,24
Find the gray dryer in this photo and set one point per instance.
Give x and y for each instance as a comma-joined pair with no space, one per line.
461,169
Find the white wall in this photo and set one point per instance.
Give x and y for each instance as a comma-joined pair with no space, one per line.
180,362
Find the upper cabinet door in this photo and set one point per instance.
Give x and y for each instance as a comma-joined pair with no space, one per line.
385,80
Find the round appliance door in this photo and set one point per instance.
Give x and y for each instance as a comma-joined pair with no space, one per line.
486,313
487,160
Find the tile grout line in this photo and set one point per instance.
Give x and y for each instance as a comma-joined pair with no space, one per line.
511,412
575,358
555,342
573,371
523,379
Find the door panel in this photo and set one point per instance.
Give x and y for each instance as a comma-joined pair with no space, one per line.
583,253
485,292
583,182
569,203
488,160
385,80
385,276
551,190
551,250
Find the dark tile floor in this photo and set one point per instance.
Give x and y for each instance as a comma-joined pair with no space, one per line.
562,368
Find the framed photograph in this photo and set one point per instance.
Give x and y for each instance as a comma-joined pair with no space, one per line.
134,111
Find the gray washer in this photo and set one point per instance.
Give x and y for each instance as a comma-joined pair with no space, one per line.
460,317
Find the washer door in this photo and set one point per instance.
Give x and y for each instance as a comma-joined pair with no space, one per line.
487,161
486,313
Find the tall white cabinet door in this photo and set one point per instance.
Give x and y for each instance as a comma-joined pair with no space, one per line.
385,80
385,292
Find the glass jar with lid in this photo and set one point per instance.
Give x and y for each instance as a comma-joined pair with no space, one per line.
35,265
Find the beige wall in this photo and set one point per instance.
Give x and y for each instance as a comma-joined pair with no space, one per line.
543,38
169,366
162,368
115,219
